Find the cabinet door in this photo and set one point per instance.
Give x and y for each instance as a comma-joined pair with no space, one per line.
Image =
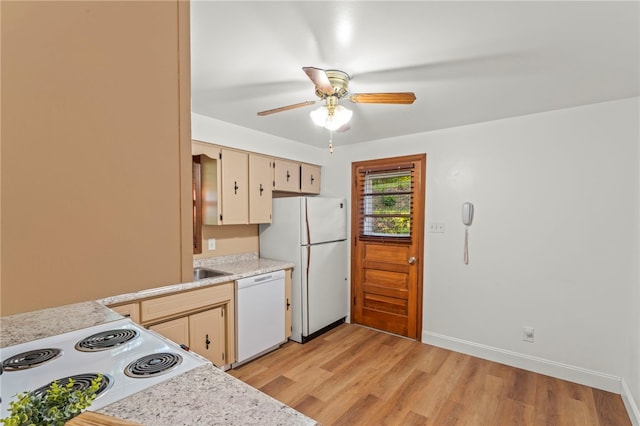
310,179
260,186
235,187
210,190
287,303
207,335
286,176
176,330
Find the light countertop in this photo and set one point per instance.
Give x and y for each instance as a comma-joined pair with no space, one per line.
237,266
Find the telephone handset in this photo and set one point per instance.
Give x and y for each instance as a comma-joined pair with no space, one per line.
467,218
467,213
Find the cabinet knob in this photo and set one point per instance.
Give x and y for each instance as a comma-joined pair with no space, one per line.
312,179
207,342
261,189
288,303
235,187
288,175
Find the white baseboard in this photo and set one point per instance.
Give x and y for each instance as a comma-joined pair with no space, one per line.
527,362
630,404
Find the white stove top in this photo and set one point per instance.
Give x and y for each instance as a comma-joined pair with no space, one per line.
111,362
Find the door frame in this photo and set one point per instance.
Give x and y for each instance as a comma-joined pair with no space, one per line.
419,218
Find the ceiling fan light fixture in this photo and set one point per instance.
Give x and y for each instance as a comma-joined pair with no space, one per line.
331,120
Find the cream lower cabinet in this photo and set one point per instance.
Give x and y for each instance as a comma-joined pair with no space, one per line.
202,319
207,335
204,333
129,310
176,330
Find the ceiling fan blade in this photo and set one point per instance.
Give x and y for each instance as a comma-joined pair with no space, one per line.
320,79
286,108
383,98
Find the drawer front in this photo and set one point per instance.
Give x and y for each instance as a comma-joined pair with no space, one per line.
187,301
130,310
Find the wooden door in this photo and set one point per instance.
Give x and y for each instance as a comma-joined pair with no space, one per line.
176,330
207,335
235,187
387,244
260,187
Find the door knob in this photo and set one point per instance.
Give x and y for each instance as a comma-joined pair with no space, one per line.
412,260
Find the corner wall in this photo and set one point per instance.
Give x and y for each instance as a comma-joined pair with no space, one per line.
554,243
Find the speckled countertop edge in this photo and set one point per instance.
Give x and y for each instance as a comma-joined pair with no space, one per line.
237,267
205,396
25,327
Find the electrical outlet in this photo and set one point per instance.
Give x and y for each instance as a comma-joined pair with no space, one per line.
528,334
212,243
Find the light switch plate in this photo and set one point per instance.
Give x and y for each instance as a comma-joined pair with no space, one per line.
212,243
436,227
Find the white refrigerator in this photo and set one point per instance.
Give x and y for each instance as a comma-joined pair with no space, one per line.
311,232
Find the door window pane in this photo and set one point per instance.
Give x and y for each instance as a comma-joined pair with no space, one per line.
387,204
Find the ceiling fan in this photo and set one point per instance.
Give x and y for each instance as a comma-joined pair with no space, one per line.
331,87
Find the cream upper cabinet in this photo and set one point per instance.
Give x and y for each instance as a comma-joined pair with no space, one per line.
260,187
286,176
235,187
310,179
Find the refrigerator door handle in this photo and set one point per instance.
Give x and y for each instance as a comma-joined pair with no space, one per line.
305,330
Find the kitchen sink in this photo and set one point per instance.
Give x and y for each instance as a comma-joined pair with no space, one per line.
202,273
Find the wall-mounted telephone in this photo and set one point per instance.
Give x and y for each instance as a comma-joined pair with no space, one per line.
467,218
467,213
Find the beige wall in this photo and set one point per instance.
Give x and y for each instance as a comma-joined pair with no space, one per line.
95,160
230,239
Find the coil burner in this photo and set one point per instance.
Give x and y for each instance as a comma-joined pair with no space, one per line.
106,340
80,382
30,359
153,365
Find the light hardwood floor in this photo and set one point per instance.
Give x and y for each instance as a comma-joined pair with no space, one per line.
353,375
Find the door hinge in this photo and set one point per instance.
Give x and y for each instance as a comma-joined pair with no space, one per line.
220,218
220,155
223,356
222,312
354,300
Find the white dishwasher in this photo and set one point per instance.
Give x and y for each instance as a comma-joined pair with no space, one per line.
260,311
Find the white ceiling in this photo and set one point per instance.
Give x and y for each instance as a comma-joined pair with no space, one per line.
466,62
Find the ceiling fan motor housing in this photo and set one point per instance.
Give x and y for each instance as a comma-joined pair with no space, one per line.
339,81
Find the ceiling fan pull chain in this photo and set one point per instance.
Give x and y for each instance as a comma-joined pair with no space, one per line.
330,141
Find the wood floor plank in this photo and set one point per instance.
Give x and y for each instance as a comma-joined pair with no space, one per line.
610,409
354,375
